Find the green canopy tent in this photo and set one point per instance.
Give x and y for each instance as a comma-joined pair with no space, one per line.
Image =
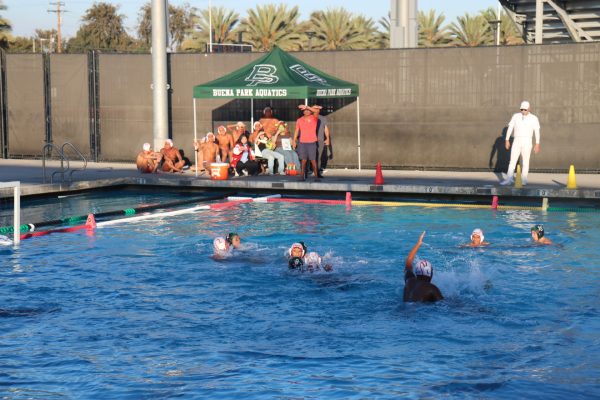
277,75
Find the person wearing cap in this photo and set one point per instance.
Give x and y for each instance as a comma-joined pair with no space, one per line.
148,161
305,140
537,235
223,246
477,239
207,150
173,162
299,258
225,142
417,281
524,125
237,130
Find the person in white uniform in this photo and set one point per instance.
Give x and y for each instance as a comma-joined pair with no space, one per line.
524,125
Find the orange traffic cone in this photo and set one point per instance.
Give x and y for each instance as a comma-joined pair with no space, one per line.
378,175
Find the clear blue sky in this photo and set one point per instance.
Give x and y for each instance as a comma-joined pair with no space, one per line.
28,15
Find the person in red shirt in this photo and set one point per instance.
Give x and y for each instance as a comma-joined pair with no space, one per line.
306,131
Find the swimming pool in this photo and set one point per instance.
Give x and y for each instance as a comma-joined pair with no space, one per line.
141,310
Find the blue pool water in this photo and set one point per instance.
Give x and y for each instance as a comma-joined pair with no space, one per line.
141,310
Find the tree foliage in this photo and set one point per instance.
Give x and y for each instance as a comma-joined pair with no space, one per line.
269,25
339,29
272,24
5,28
432,31
509,35
471,30
180,23
102,29
224,22
383,35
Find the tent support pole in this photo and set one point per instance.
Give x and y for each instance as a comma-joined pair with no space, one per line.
252,114
195,141
358,129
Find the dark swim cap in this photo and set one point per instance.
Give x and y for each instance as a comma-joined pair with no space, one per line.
230,236
295,262
539,229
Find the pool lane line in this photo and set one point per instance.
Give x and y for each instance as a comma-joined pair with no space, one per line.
129,211
263,199
150,216
214,206
91,223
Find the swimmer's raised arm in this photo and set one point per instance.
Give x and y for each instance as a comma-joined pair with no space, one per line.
411,256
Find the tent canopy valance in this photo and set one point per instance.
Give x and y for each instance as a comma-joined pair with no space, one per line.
276,75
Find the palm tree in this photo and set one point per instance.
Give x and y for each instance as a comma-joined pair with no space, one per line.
223,24
431,31
271,25
509,35
471,31
338,29
383,36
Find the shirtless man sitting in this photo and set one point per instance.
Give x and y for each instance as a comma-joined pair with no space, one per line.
147,161
225,142
172,158
238,130
208,151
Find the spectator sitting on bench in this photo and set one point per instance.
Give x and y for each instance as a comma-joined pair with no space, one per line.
264,147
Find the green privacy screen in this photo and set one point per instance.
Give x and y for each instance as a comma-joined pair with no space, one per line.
277,75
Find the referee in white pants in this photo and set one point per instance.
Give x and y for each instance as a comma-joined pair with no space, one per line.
525,125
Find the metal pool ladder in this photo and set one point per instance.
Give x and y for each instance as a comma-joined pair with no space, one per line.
47,151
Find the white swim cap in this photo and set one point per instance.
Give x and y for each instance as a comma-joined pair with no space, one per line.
170,142
525,105
312,259
477,232
220,245
424,268
297,245
146,146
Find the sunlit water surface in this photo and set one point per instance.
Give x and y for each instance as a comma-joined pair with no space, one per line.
141,310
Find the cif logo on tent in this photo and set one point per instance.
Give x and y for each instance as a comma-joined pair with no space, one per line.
307,75
262,73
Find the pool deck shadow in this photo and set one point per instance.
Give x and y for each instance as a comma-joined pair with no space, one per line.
400,182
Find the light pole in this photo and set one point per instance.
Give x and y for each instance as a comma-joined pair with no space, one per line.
210,34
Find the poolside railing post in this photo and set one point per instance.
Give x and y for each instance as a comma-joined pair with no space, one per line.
358,129
17,213
195,139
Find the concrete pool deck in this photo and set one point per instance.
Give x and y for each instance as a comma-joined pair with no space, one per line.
397,182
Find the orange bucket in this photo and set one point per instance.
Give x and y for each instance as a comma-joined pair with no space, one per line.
219,171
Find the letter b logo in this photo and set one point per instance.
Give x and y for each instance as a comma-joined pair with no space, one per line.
262,73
